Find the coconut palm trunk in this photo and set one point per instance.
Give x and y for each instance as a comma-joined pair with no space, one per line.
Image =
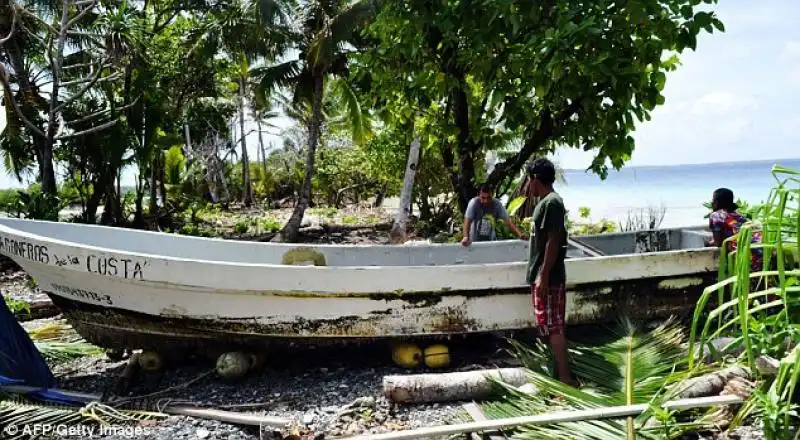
398,232
247,199
291,230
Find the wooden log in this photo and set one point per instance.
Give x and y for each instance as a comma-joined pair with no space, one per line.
448,387
229,416
767,366
712,384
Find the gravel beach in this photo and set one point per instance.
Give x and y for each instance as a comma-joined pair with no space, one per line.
328,392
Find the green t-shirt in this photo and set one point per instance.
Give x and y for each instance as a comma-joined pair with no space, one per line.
549,216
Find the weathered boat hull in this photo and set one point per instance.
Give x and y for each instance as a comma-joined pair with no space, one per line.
587,304
119,296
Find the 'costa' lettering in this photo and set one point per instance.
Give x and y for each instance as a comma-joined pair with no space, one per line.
115,267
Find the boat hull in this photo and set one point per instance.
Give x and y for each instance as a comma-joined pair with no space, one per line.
457,313
125,298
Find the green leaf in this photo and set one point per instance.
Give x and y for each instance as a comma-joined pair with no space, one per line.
515,204
702,18
660,79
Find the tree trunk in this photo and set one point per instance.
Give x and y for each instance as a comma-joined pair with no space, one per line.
398,232
291,230
46,168
90,213
263,151
111,206
380,195
47,173
466,149
247,197
162,181
138,215
44,155
449,387
154,185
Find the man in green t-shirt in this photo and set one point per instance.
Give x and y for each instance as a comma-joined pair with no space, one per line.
546,270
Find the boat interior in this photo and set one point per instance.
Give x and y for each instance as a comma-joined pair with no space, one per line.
159,244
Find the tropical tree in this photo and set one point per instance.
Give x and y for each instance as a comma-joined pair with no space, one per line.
556,73
326,31
245,32
98,50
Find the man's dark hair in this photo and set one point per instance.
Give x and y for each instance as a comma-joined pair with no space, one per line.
485,187
542,169
724,199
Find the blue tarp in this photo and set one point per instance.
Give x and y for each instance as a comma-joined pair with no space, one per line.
21,364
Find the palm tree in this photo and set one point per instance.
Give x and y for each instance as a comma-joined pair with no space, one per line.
236,28
326,29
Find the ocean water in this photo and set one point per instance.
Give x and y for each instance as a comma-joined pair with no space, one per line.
681,189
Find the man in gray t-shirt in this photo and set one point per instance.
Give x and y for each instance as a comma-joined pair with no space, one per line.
477,225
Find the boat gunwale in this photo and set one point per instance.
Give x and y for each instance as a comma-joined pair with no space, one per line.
49,239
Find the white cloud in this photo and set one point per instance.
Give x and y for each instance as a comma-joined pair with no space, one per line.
790,127
791,50
720,103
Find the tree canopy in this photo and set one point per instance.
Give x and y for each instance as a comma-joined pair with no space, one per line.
168,88
546,74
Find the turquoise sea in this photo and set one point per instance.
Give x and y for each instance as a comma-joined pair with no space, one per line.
681,189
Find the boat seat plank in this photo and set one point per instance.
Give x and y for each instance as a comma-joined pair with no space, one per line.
588,249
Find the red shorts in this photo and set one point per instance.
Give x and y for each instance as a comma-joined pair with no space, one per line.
549,309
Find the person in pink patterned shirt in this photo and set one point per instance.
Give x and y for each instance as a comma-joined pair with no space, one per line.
726,221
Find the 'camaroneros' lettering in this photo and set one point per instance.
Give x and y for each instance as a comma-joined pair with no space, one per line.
102,265
115,267
23,249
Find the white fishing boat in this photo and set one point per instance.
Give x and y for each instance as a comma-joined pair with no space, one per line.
125,288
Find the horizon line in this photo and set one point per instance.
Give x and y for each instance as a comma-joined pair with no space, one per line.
696,164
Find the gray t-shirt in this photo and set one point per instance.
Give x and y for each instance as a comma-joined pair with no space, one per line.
481,228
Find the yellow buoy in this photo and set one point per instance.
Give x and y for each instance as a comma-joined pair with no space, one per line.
407,355
150,361
437,356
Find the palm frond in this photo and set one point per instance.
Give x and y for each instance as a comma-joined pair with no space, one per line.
17,411
58,342
359,121
628,366
345,24
271,12
276,76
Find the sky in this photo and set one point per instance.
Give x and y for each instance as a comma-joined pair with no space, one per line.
733,99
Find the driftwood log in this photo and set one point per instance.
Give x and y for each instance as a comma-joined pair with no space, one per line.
448,387
712,384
